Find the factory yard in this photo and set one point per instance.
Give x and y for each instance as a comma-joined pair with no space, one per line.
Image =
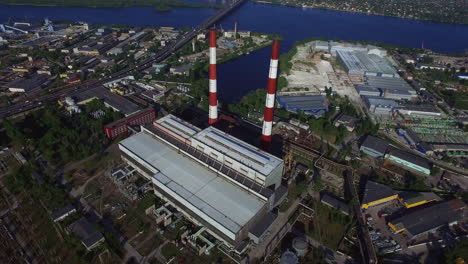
309,73
313,71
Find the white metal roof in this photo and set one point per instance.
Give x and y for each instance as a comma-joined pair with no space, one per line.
178,126
244,153
223,202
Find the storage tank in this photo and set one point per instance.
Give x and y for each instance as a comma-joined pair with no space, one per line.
289,257
300,246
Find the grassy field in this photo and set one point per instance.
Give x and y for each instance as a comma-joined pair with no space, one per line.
328,225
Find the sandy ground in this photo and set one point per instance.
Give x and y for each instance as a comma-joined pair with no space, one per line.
310,75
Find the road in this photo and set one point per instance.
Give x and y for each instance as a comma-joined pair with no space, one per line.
163,54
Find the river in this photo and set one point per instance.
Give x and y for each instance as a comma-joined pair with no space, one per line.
250,72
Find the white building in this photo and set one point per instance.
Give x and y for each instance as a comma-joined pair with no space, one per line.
215,180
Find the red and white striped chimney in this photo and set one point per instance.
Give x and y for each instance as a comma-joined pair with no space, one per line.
270,97
213,94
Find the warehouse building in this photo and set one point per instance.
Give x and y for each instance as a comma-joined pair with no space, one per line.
393,88
316,105
362,63
377,194
214,179
367,90
27,85
424,110
374,147
408,160
426,219
413,199
120,127
379,106
116,102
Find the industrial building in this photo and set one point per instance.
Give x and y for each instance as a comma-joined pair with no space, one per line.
362,63
335,203
413,199
428,218
120,126
27,85
408,160
377,194
423,110
89,236
367,90
214,179
374,147
379,106
116,102
316,105
392,88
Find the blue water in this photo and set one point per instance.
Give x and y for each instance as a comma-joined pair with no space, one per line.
247,73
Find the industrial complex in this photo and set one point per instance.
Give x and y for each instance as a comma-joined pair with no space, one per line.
216,180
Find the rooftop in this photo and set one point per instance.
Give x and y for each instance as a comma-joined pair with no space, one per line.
422,108
28,84
305,102
178,126
62,211
426,218
238,150
379,101
116,101
361,61
335,203
263,224
86,232
407,156
227,204
376,191
375,143
389,83
416,197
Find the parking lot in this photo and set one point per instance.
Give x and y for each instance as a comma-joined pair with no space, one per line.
382,237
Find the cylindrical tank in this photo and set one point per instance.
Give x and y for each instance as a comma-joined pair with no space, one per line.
300,246
289,257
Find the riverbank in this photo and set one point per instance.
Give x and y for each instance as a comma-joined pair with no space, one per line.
159,5
456,17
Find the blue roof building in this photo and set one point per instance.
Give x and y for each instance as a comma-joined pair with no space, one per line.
316,105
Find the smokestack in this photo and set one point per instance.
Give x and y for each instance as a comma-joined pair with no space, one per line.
213,94
270,97
235,30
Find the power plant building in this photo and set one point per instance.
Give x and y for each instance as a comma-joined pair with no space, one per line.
214,179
